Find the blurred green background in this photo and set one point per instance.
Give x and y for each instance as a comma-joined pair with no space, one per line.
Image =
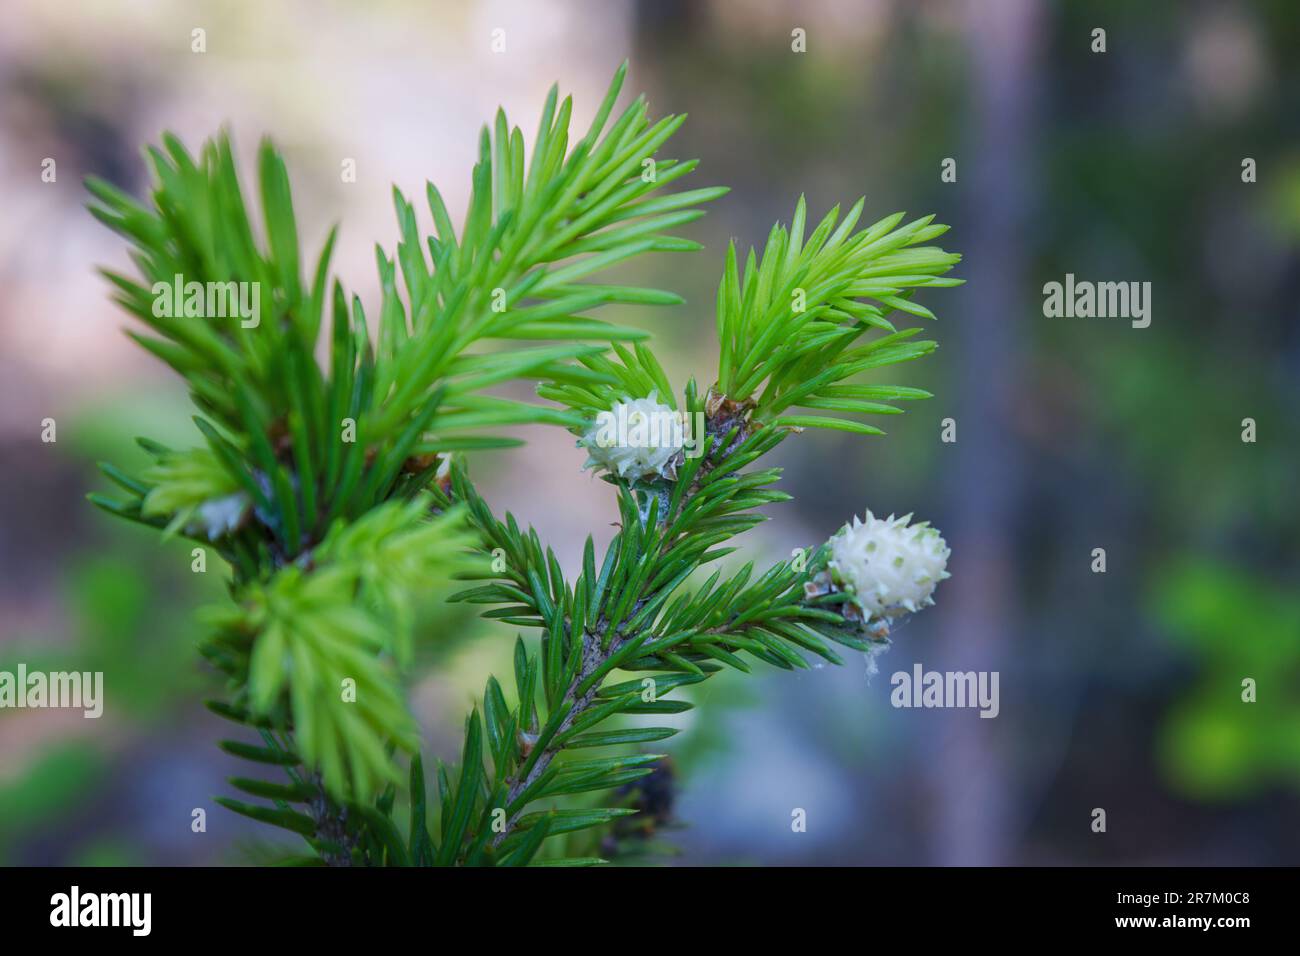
1120,690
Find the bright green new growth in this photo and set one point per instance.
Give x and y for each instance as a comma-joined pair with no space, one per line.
789,320
332,492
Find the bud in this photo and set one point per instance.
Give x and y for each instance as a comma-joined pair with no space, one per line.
218,517
888,567
637,438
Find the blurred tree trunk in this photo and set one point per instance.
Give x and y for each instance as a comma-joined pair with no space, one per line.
973,787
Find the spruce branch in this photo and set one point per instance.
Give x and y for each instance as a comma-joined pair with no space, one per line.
335,490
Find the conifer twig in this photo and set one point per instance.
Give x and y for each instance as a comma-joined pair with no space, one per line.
336,490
